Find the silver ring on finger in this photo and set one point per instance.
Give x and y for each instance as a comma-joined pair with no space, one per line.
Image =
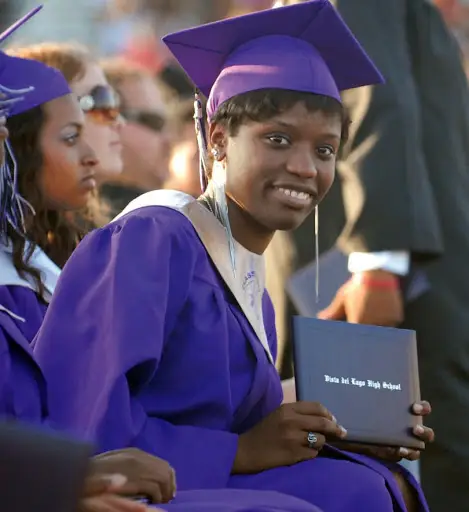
312,439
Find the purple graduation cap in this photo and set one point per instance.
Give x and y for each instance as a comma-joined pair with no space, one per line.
24,84
305,47
36,82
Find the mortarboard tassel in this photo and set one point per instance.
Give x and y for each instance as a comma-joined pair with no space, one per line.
9,97
12,205
220,206
201,141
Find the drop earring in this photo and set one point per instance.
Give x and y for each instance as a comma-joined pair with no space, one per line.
316,249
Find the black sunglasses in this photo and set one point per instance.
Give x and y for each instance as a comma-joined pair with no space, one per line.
151,120
102,102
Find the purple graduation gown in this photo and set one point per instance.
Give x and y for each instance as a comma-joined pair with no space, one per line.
234,500
143,345
22,386
23,396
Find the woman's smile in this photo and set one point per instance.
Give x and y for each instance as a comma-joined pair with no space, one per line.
293,198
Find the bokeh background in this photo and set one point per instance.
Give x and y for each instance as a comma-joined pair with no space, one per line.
134,27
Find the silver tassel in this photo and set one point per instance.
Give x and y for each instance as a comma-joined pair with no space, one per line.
221,209
12,205
220,205
201,141
9,97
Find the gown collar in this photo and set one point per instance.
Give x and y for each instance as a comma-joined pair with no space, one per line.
9,276
248,283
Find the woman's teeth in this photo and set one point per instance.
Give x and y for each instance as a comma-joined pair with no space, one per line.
295,193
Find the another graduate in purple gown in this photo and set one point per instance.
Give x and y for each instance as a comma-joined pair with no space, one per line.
46,174
161,335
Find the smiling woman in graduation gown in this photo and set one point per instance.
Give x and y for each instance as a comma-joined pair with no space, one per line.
161,335
22,307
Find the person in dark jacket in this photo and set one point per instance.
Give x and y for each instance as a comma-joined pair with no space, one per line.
400,201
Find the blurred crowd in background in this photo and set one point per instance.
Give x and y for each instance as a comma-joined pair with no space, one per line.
129,27
134,27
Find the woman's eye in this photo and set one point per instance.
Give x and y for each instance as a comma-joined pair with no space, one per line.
326,152
278,140
71,139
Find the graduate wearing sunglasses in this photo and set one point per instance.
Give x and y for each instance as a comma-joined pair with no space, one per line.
146,138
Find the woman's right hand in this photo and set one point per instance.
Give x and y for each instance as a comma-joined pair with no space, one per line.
281,439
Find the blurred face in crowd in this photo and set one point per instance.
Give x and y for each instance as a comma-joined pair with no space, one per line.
184,167
103,122
145,137
68,174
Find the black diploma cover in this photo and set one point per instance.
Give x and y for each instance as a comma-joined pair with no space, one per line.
367,376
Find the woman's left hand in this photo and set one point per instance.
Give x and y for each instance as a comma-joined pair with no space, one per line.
392,454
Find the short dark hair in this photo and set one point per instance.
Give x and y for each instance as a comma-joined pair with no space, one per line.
264,104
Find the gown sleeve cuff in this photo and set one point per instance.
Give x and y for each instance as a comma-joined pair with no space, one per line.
201,457
396,262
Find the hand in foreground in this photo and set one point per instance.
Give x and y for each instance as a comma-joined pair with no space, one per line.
145,474
392,454
99,496
281,439
372,298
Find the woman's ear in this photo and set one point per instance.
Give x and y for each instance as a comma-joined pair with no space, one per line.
218,137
